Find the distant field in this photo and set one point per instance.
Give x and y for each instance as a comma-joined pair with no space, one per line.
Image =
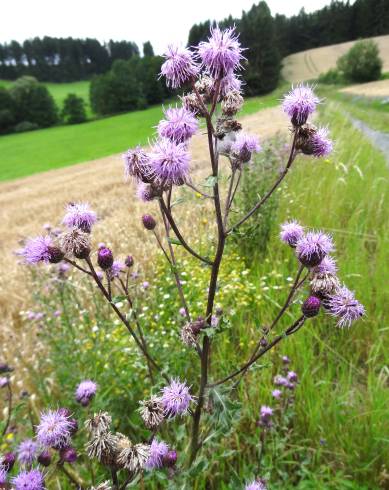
371,89
60,90
307,65
36,151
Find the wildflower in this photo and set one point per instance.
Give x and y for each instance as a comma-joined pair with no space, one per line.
299,103
3,477
68,454
79,215
188,336
176,398
76,242
230,83
321,145
8,461
205,86
311,307
152,412
265,416
29,480
41,249
146,192
106,485
291,233
4,381
179,66
134,457
244,146
191,103
222,52
313,247
344,306
326,266
85,392
104,258
256,485
102,446
44,458
170,162
53,429
285,359
292,377
280,380
232,103
276,394
182,311
179,125
137,165
148,222
115,270
158,450
26,451
170,459
5,368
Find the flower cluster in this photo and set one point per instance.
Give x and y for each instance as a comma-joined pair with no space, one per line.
312,249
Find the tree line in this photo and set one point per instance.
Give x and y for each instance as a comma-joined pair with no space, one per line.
53,59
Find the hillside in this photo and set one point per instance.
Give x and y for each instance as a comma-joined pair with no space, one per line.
307,65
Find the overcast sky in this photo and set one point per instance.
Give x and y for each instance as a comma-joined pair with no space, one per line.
159,21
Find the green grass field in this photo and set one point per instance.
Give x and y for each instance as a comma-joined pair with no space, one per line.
59,91
33,152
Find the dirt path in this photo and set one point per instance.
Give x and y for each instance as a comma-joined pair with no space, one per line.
379,139
26,204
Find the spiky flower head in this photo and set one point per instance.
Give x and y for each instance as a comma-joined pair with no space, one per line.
179,124
205,86
280,380
192,103
232,103
345,307
152,412
105,258
7,461
311,306
68,454
322,146
170,162
266,412
188,335
85,392
137,165
134,457
179,66
27,451
324,284
146,192
170,459
99,423
41,249
244,146
292,376
291,232
326,266
299,103
176,398
313,247
116,269
76,242
221,53
29,480
230,83
158,450
54,429
79,215
102,445
276,394
129,261
105,485
256,485
3,476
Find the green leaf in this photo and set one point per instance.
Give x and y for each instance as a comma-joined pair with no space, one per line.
210,181
175,241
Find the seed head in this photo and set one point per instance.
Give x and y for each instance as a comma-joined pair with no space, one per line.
152,412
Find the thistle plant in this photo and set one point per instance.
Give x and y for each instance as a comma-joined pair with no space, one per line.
209,75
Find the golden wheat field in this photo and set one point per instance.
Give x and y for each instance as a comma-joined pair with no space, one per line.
307,65
371,89
27,204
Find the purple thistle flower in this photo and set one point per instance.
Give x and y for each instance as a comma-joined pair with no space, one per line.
144,192
313,247
105,258
230,83
8,461
321,145
3,476
266,412
176,398
222,53
85,391
27,451
137,165
244,146
41,249
276,394
170,162
179,66
285,359
54,429
299,103
182,312
170,459
256,485
68,454
116,268
344,306
280,380
326,266
79,215
28,480
179,124
4,381
292,376
291,233
158,450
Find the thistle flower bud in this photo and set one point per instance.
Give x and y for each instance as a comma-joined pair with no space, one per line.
68,454
8,461
129,262
105,258
44,458
55,255
65,412
311,307
170,459
148,222
5,368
